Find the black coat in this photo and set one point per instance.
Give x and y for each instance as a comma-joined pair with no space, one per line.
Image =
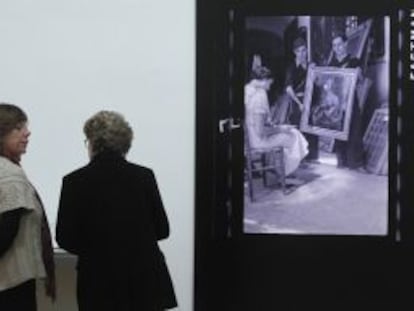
111,215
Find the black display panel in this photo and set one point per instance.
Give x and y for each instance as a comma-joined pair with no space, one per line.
327,235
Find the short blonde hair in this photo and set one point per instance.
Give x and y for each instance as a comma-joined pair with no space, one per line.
108,130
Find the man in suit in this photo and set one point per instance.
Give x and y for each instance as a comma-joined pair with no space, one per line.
350,153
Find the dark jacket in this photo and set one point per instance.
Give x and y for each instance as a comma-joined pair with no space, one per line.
111,215
350,153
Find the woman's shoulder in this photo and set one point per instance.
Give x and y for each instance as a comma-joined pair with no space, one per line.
91,173
254,94
77,173
139,172
9,169
140,169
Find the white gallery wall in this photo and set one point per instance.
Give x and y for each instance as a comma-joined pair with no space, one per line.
62,61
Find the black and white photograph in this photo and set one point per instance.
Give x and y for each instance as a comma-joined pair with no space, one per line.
316,107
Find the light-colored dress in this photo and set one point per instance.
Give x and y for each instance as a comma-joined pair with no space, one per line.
257,114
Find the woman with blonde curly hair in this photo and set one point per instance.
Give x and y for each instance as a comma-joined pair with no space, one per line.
111,215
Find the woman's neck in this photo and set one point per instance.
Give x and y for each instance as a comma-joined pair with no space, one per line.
14,158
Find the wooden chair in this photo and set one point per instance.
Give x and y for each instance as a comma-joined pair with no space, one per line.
260,162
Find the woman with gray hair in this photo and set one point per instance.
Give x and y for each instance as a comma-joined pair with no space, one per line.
26,252
111,215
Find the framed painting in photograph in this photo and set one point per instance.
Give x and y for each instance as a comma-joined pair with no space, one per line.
357,39
329,95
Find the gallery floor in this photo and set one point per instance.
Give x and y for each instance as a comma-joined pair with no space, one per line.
321,199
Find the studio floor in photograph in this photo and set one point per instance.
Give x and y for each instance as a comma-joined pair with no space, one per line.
320,199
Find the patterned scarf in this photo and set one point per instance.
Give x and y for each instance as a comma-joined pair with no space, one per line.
47,254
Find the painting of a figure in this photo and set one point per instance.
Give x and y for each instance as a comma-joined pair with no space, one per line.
327,108
328,101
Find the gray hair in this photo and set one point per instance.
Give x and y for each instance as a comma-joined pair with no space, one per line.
11,117
108,130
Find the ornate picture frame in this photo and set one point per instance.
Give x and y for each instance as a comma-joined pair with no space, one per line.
328,101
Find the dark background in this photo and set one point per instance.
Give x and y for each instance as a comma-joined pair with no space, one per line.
234,271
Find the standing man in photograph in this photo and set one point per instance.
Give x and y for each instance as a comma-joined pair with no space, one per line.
295,89
350,153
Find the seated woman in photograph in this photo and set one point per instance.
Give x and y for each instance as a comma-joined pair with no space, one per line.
261,130
327,112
